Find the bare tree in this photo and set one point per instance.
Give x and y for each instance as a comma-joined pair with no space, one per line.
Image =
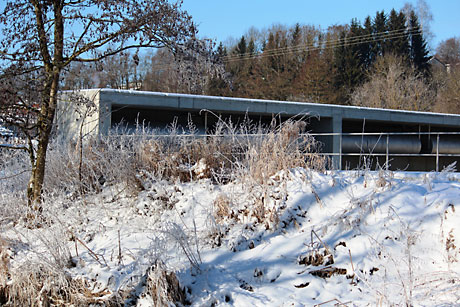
186,70
43,37
424,15
448,99
118,71
448,51
159,73
80,75
394,85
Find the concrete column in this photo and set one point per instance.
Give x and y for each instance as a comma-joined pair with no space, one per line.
336,141
105,115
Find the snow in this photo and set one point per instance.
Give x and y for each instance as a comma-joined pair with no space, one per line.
4,132
9,140
393,238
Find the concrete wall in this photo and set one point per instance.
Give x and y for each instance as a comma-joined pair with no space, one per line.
73,115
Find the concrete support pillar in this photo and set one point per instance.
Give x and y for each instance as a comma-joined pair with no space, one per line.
105,118
337,141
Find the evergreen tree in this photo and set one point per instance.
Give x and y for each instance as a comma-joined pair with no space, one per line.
356,44
251,50
399,43
241,48
367,45
348,62
418,47
297,57
269,46
296,35
219,84
238,68
221,51
380,34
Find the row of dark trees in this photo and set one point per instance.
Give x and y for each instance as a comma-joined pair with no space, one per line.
305,63
362,45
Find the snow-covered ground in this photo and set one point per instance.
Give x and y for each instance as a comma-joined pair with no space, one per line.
4,132
302,239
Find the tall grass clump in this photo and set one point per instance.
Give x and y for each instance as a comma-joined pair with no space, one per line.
40,285
266,154
281,148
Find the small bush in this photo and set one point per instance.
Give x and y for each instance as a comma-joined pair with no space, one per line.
222,208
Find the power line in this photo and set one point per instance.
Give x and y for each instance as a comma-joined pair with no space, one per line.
327,44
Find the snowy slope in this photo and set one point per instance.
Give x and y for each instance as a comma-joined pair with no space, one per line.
304,238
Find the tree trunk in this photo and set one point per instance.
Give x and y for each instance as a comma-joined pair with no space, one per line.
45,125
53,66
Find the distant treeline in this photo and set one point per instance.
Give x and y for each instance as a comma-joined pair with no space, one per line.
307,64
298,63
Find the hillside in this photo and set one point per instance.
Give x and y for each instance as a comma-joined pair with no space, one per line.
305,238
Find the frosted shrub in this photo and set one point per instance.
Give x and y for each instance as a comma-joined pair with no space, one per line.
221,208
281,149
263,165
87,167
14,175
184,157
14,170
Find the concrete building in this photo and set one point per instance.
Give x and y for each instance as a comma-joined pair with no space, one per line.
403,139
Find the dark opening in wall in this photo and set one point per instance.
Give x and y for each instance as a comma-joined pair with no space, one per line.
160,120
156,119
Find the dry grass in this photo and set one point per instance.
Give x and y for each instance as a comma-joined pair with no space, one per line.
222,208
281,149
229,153
45,281
163,286
179,157
39,285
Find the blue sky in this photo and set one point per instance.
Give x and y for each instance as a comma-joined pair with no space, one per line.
220,19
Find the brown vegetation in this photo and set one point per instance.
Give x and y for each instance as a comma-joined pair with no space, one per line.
394,85
448,99
228,154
